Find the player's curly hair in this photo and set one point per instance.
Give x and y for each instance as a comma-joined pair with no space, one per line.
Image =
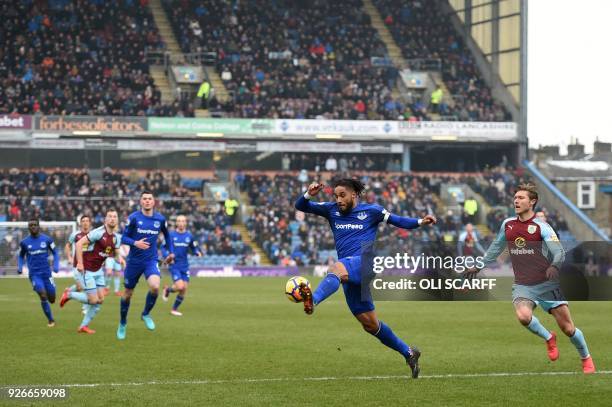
350,183
531,189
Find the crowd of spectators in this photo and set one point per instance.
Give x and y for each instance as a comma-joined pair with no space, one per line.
423,31
340,162
81,57
293,59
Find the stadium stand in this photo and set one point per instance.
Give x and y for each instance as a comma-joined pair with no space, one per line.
83,57
423,32
288,59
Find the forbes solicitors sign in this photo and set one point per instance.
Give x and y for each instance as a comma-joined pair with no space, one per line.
18,122
104,124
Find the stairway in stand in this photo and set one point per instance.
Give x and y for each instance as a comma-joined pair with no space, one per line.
246,238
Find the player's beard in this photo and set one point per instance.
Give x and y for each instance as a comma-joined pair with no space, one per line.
349,207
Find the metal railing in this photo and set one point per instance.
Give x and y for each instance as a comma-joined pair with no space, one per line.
157,57
423,64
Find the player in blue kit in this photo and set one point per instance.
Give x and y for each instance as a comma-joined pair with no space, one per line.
354,226
183,244
35,248
146,225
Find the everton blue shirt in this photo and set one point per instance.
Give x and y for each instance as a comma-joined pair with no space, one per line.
183,244
356,229
140,226
36,251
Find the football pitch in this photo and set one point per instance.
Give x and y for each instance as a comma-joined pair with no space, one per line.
241,342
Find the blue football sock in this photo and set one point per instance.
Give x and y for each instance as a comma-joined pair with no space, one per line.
73,287
388,338
47,309
170,290
580,343
327,287
124,308
91,313
117,282
177,302
150,303
537,328
79,296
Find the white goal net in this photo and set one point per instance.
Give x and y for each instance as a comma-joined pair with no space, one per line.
11,233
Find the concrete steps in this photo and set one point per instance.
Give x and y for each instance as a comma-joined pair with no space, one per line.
172,45
246,238
161,81
164,27
202,113
483,230
394,51
221,92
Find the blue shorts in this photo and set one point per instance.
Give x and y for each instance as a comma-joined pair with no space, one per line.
43,283
358,296
180,274
132,272
547,295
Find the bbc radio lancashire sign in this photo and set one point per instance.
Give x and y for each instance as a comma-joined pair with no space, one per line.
103,124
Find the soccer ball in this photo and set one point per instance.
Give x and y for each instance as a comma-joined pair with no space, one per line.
292,289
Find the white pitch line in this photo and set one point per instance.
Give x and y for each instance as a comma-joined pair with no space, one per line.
311,379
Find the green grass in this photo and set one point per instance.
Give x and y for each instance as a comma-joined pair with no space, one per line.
239,329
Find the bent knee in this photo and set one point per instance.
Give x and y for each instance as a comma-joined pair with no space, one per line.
568,328
524,318
370,326
340,271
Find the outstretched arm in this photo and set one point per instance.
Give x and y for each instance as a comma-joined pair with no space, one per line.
405,222
497,247
303,203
